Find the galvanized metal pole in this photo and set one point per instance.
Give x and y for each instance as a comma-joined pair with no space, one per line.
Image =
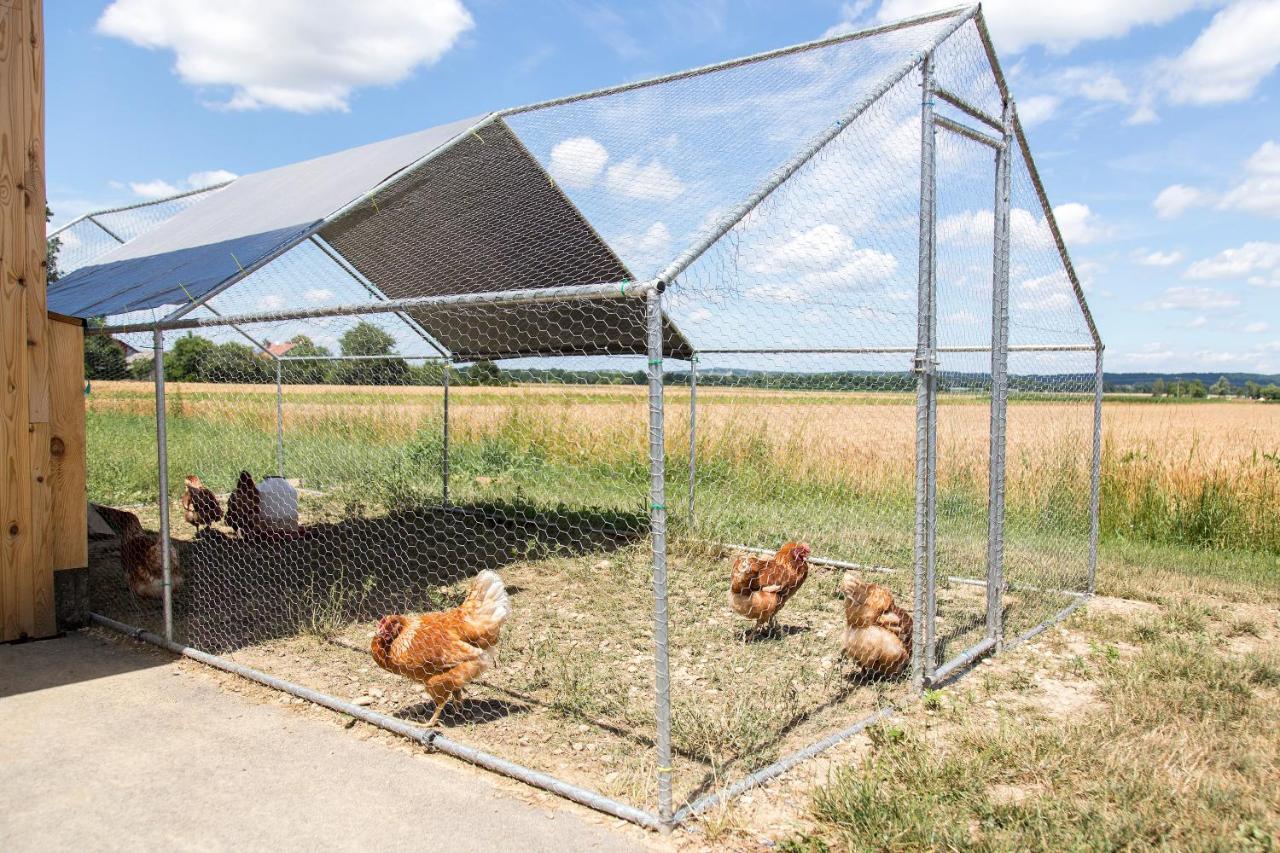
999,386
444,450
658,535
1095,478
693,435
923,368
279,418
162,464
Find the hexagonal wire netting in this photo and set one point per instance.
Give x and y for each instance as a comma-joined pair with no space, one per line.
619,349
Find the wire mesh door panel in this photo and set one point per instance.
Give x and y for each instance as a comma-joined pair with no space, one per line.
965,247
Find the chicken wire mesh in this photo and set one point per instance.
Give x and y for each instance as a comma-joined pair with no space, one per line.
476,371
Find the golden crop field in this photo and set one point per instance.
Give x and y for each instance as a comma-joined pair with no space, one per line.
1201,473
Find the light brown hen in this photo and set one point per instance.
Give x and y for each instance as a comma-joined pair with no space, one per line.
445,650
140,555
878,632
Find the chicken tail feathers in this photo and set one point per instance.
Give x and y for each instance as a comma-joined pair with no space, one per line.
487,605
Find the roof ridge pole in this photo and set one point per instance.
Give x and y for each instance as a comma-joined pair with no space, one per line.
904,23
726,223
316,227
1020,134
924,370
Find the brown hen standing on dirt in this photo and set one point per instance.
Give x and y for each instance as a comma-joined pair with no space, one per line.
140,555
200,505
244,506
759,587
445,650
878,632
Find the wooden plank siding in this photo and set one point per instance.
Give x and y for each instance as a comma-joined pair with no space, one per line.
33,519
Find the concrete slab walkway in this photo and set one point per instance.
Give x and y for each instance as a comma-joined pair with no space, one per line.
107,747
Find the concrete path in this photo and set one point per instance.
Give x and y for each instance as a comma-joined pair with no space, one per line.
105,747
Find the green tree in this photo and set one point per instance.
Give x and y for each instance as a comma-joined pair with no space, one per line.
231,362
484,372
104,358
1158,388
1270,392
1221,388
1252,390
315,372
52,246
364,338
185,362
1196,389
140,368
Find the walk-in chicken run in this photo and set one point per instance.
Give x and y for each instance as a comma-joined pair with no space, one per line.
638,444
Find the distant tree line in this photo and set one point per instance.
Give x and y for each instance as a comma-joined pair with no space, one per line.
1194,389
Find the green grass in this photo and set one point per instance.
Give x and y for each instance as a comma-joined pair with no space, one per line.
1179,751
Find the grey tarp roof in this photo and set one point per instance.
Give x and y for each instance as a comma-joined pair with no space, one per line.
481,217
256,215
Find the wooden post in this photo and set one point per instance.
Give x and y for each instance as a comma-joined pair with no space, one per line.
29,532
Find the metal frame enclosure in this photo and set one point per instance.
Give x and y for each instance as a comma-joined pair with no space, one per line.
926,671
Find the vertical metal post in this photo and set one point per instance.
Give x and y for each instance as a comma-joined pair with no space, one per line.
279,417
162,463
999,384
444,450
924,370
1095,474
693,434
658,534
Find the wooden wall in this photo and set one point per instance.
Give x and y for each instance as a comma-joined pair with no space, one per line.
38,521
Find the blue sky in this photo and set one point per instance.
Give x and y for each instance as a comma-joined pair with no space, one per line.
1155,123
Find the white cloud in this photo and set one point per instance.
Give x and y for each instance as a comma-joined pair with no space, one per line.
978,227
1051,292
1257,261
1153,352
1256,328
1259,192
817,249
160,188
153,189
1017,24
578,161
298,55
1177,199
1239,48
1182,298
653,246
1197,322
198,180
652,181
1037,109
1078,224
1158,258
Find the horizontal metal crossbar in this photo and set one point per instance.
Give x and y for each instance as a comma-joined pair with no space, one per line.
967,132
611,290
968,108
896,350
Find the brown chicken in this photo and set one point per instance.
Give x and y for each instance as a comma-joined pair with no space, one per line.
759,587
140,555
445,650
244,506
200,506
878,632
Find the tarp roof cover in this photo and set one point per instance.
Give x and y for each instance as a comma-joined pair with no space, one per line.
255,216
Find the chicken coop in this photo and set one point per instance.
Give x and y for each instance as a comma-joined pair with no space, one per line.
618,348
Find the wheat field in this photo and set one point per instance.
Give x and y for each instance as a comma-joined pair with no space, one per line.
1204,473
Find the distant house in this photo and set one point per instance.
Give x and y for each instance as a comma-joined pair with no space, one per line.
279,349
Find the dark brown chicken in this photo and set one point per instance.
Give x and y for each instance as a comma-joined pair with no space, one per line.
244,507
140,555
445,650
200,506
760,586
